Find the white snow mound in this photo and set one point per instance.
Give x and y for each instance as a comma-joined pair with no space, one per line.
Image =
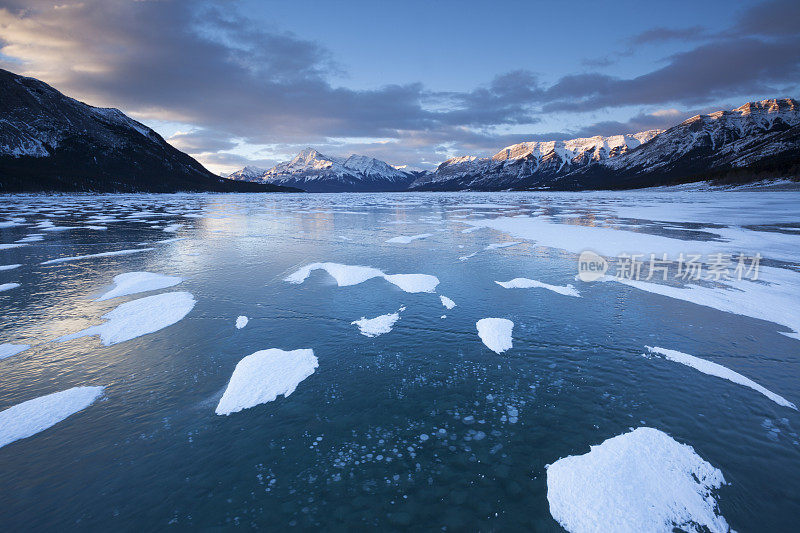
29,418
346,275
447,302
262,376
372,327
135,282
717,370
525,283
7,349
638,481
495,333
139,317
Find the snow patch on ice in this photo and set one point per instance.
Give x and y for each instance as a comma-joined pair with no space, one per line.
403,239
9,267
8,286
638,481
262,376
29,418
139,317
495,333
241,321
92,256
7,349
346,275
372,327
135,282
717,370
447,302
496,245
525,283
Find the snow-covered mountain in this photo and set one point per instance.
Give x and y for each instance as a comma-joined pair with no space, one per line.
314,172
755,141
516,164
248,173
50,142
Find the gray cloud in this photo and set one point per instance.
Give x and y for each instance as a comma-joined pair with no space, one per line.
202,140
204,65
660,34
707,73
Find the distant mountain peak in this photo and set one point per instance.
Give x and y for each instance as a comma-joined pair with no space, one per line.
51,142
315,172
762,136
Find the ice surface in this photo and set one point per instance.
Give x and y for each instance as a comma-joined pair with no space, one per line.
241,321
353,275
261,377
610,242
717,370
134,282
9,267
92,256
638,481
447,302
775,297
10,246
372,327
139,317
7,349
495,333
8,286
525,283
29,418
407,239
172,228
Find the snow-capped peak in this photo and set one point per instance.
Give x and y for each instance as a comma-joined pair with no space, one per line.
313,171
247,173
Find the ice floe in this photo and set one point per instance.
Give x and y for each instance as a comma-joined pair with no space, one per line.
525,283
135,282
447,302
172,228
139,317
241,321
638,481
7,349
92,256
717,370
8,286
29,418
403,239
346,275
495,333
262,376
372,327
9,267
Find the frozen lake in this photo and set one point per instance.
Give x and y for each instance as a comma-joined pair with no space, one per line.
404,360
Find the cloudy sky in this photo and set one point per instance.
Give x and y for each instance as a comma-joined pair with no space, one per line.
410,82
